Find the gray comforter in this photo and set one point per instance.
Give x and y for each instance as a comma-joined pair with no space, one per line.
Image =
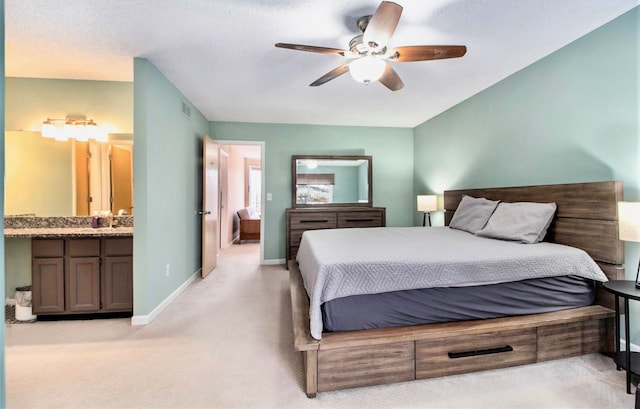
343,262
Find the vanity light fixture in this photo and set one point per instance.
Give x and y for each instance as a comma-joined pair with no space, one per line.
427,204
80,129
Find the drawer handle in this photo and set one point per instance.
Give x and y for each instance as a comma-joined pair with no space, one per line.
455,355
358,220
314,221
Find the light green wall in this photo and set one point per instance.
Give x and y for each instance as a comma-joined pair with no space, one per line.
31,100
391,149
572,117
17,264
167,174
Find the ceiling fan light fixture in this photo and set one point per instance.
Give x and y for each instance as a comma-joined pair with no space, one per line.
367,69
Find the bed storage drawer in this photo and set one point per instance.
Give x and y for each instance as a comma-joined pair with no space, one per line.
450,356
369,365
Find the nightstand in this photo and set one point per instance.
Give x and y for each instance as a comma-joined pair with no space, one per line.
627,360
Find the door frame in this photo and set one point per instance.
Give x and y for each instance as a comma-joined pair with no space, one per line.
223,197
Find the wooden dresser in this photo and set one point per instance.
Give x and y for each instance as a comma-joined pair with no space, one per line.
301,219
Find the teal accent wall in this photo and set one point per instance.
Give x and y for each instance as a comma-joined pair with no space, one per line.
2,270
571,117
167,196
391,149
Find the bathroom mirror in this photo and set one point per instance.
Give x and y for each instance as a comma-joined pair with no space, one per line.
320,181
46,177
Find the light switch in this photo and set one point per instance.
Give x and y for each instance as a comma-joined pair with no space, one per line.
268,196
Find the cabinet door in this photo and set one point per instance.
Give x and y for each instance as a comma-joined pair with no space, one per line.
47,277
117,283
83,284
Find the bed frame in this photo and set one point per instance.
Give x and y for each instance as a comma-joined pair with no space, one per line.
586,218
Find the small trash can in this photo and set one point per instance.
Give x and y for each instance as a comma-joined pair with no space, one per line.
23,304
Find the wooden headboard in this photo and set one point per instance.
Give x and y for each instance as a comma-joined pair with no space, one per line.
587,218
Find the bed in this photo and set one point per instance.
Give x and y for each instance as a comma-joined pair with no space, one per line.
585,219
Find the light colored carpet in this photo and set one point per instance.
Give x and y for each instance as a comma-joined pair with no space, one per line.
226,342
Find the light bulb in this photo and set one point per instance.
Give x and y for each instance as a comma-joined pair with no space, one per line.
367,69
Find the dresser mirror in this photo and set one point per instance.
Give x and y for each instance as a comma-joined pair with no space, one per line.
321,181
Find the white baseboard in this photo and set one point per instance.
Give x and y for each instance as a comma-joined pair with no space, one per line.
274,262
146,319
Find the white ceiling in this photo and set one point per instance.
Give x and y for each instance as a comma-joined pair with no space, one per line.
221,54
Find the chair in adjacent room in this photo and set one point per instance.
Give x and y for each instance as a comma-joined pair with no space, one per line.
249,224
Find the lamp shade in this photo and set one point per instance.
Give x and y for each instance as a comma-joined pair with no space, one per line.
367,69
427,203
629,221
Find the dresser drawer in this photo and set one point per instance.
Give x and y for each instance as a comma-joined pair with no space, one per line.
359,219
313,220
450,356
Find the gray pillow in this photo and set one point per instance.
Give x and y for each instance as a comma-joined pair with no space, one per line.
526,222
472,214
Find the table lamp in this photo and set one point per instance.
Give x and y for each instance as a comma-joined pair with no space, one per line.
629,225
427,204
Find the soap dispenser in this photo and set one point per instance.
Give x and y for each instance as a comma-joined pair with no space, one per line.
95,220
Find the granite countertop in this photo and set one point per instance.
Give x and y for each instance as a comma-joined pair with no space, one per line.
69,226
45,232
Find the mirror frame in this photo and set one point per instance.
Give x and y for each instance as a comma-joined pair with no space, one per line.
294,180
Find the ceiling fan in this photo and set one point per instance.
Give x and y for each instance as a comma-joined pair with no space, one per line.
369,54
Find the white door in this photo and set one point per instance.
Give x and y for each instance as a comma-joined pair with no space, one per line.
209,205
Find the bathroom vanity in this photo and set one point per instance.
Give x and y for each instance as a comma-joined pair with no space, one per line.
77,269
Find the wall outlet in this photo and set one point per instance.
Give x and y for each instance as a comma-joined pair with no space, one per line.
167,270
269,196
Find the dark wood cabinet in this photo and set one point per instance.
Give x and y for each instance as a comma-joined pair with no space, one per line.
117,282
82,275
299,220
48,285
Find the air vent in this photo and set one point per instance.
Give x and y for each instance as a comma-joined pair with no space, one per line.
186,109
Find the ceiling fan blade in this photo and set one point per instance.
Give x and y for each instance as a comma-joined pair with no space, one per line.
330,75
311,48
382,25
391,79
426,52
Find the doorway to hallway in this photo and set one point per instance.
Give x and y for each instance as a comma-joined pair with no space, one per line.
241,188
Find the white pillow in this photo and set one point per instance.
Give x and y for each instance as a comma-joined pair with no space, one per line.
244,213
472,214
526,222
